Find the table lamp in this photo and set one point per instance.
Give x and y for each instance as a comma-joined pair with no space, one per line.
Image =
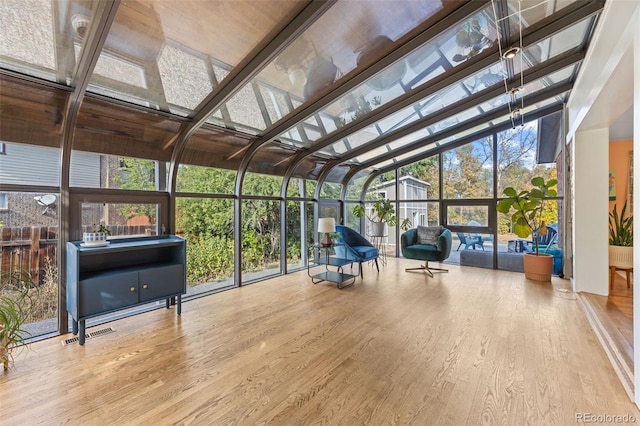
326,225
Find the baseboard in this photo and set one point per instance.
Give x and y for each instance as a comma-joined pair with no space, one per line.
620,366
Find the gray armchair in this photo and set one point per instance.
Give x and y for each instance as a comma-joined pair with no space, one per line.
414,249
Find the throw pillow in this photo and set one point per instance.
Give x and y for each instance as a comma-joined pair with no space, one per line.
429,234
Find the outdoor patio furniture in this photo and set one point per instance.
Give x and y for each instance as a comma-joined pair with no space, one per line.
469,241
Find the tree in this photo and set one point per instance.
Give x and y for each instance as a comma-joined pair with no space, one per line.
136,174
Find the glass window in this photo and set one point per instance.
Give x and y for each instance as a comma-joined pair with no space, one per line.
92,170
421,180
259,184
29,255
299,237
260,239
330,190
419,213
205,180
29,44
467,172
185,78
207,225
467,215
30,165
179,63
121,219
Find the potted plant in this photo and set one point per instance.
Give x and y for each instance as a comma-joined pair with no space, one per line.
15,305
526,208
382,212
620,239
98,236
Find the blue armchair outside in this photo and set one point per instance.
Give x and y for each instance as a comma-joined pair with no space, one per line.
354,246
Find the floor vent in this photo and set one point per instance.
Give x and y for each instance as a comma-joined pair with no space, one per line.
88,335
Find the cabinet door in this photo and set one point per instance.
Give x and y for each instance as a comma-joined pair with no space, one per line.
161,281
107,293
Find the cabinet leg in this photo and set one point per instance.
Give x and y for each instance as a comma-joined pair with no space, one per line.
74,326
81,335
168,302
179,304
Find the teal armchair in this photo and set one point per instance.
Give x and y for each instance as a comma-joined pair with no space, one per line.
413,249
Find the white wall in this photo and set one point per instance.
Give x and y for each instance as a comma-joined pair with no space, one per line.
590,202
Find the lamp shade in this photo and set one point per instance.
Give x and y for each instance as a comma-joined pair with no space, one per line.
326,224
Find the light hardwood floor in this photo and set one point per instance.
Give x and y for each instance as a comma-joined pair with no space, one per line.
472,346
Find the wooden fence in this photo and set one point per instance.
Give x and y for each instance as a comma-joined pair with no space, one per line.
29,248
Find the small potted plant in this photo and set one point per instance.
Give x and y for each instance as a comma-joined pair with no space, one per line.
526,208
98,236
383,212
620,239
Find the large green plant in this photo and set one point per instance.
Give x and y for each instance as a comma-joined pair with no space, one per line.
383,211
620,227
526,208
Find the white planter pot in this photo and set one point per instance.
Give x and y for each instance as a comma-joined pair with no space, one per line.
94,237
377,229
621,257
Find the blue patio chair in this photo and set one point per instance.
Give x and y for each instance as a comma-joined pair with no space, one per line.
469,241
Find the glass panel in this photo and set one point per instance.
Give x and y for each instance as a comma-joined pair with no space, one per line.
295,189
563,41
423,150
298,213
36,36
420,213
330,191
184,77
243,109
472,249
532,11
355,187
468,39
467,215
351,220
517,157
121,219
29,250
173,62
23,164
260,239
259,184
311,188
467,172
90,170
207,225
421,180
205,180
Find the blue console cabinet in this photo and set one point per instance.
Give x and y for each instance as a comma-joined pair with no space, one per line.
126,273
